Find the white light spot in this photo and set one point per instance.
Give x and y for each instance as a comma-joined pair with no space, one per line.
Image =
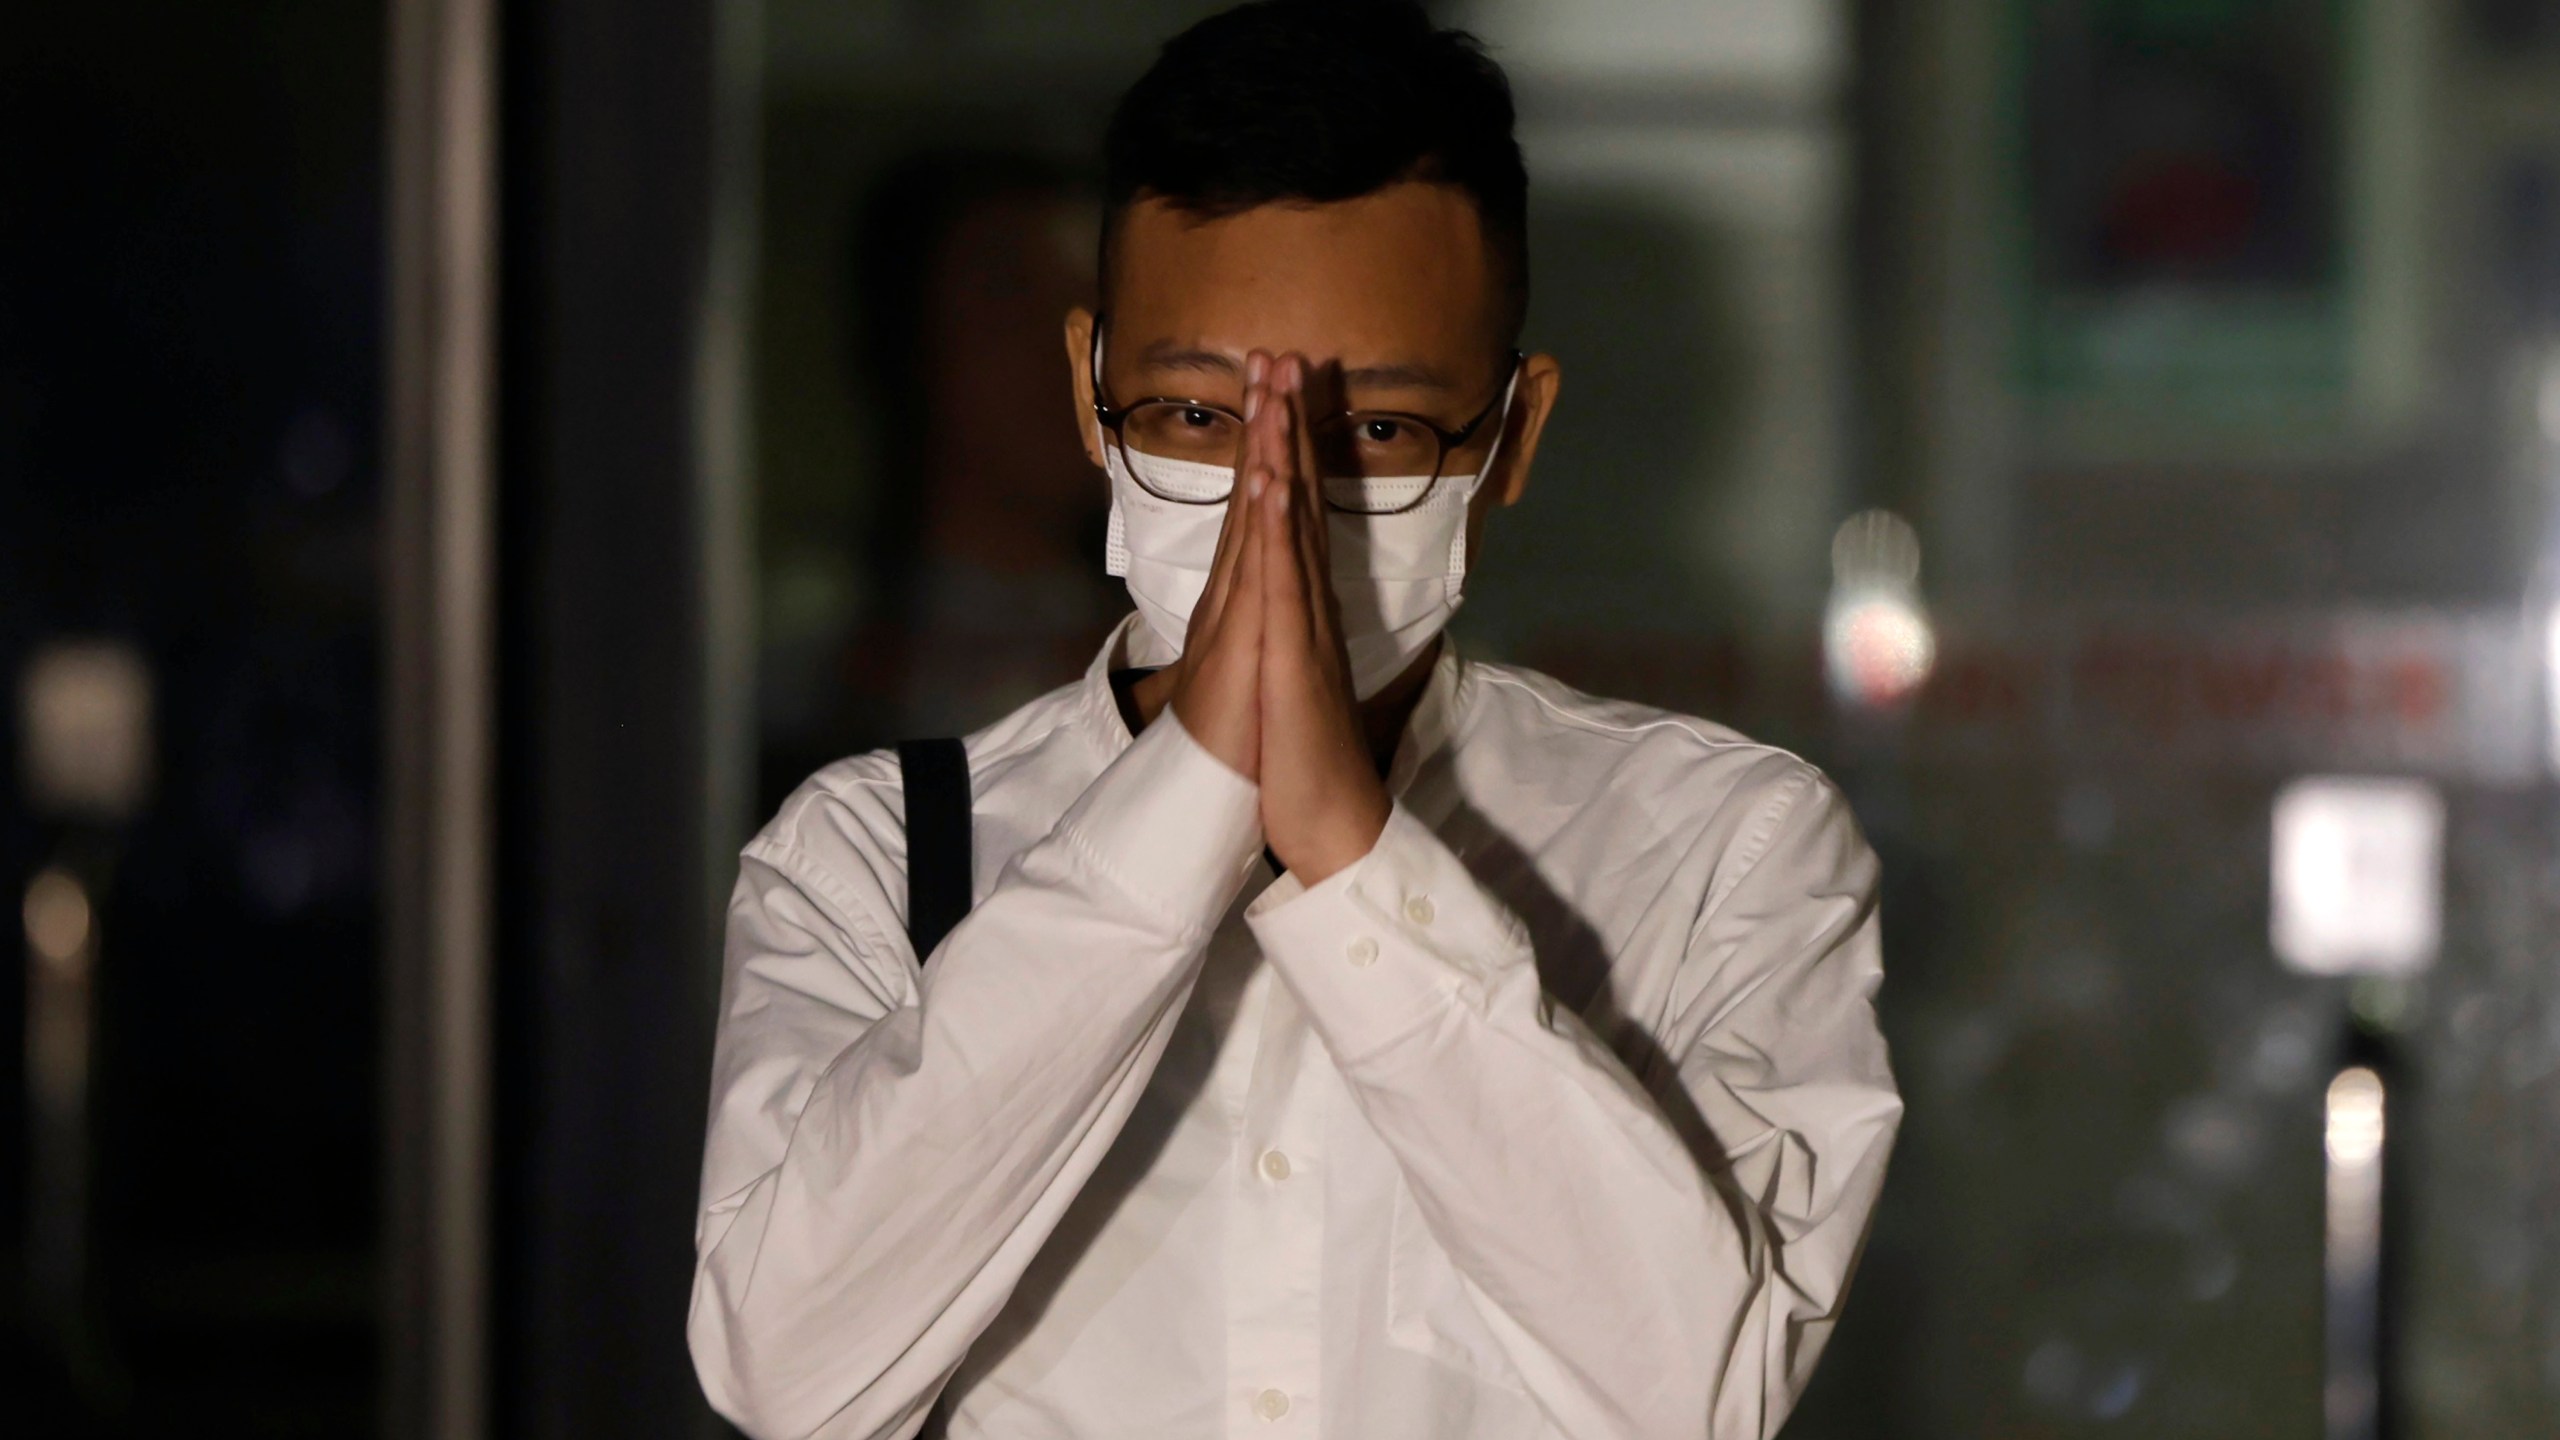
2358,875
1877,643
1875,548
85,717
2355,1118
57,916
1877,648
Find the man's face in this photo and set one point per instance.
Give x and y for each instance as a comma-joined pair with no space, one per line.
1391,296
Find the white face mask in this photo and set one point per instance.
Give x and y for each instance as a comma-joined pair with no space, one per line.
1396,578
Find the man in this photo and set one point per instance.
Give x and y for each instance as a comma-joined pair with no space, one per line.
1347,1038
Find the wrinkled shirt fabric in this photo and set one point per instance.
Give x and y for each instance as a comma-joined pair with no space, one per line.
1562,1113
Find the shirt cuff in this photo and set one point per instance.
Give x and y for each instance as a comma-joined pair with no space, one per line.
1392,942
1171,825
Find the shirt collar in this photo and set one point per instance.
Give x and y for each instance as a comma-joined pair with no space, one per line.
1132,644
1434,719
1097,710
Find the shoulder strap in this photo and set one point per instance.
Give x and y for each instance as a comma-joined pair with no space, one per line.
936,777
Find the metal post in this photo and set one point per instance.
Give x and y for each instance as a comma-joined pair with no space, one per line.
2355,1136
441,582
623,656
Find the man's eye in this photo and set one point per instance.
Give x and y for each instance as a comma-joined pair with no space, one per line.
1382,432
1199,419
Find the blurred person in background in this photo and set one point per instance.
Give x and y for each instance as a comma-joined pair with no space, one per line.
986,526
1347,1036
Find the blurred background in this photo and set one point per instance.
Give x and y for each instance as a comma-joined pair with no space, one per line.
459,469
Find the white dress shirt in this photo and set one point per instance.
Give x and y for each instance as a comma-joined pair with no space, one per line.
1560,1113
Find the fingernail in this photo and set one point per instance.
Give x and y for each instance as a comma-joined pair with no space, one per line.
1254,366
1253,482
1253,400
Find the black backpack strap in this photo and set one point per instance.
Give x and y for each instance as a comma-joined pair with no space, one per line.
936,777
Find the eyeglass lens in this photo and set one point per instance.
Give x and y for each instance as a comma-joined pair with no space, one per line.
1355,446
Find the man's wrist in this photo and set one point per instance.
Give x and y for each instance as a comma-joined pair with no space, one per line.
1343,841
1172,823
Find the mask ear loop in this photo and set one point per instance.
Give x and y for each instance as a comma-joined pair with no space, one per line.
1115,539
1457,578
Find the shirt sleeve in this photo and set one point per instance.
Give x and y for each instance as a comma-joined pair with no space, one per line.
1660,1255
888,1149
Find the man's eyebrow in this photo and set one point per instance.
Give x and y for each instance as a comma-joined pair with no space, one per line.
1398,377
1165,355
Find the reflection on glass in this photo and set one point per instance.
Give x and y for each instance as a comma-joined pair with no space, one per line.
2358,875
2135,336
1878,646
944,563
61,934
2352,1396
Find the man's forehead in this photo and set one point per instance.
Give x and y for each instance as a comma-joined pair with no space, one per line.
1358,367
1398,277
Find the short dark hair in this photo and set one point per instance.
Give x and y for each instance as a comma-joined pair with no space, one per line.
1322,100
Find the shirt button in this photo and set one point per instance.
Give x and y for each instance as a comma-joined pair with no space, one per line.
1270,1404
1275,1164
1362,951
1418,910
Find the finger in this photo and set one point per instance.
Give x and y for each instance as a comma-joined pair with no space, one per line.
1284,582
1271,426
1279,516
1219,697
1272,430
1222,565
1241,630
1262,382
1311,464
1307,523
1315,395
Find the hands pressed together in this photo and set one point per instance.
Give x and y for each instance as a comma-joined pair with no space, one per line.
1263,682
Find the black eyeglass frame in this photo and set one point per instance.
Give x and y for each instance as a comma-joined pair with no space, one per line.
1111,419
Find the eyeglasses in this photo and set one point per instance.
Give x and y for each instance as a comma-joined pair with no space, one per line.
1355,448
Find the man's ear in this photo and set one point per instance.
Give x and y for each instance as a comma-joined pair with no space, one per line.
1540,377
1080,380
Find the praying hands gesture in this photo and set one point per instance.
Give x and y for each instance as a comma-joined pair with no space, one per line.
1263,683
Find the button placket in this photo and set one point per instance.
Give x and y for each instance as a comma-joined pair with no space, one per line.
1275,1235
